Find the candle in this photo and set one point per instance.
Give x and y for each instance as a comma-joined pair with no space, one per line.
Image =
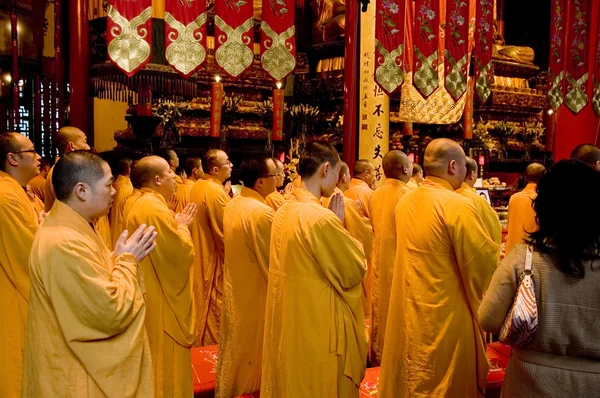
144,107
278,105
216,106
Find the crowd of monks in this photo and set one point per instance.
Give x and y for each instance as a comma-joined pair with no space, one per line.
107,283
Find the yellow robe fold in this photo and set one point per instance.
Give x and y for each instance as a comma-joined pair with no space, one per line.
360,192
382,208
207,234
38,184
121,182
183,195
117,211
36,202
18,223
315,343
412,184
85,330
434,346
521,216
49,194
247,228
275,200
489,217
170,321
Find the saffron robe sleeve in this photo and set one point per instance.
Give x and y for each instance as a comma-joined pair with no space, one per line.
117,212
183,195
521,216
489,217
275,200
49,194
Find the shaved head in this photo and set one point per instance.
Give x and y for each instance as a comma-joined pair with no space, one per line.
73,168
417,169
534,172
9,142
397,165
471,176
146,169
191,163
587,153
70,139
125,166
445,159
362,166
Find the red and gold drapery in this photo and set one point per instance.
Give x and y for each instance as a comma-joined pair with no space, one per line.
556,64
457,47
129,34
389,44
596,81
234,35
483,48
278,38
577,75
185,35
426,40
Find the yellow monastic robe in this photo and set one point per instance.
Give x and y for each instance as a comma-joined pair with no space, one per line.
445,259
489,217
412,184
178,181
49,194
247,227
183,195
129,203
170,322
315,343
382,208
102,225
38,184
521,216
275,200
121,182
117,211
85,331
207,233
18,223
38,205
360,192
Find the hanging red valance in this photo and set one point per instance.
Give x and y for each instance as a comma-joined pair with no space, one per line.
556,64
389,44
456,66
278,38
577,75
483,48
596,81
234,35
426,41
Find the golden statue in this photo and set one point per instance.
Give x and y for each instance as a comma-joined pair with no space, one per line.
518,54
329,23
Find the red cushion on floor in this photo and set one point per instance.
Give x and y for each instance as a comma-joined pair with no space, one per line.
370,384
498,355
204,368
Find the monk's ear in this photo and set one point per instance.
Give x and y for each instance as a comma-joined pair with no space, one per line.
82,191
452,167
325,169
11,158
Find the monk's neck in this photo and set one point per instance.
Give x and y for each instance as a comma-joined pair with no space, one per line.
20,179
313,186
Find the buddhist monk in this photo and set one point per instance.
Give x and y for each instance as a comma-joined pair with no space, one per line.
417,176
361,186
85,331
247,228
18,223
587,153
207,233
397,169
170,321
123,189
444,262
171,157
359,227
315,343
123,174
490,219
192,167
38,183
277,199
521,216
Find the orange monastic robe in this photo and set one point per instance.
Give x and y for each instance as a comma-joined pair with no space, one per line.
360,192
489,217
445,259
38,184
121,182
183,195
521,216
207,234
170,320
18,223
247,227
49,194
275,200
85,331
382,208
412,184
117,211
35,201
315,343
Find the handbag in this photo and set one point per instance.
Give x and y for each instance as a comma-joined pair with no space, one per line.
521,323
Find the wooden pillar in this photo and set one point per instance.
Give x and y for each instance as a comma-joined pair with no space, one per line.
499,15
81,116
58,61
351,86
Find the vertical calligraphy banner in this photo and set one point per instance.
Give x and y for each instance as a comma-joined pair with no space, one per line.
483,48
389,44
577,50
129,34
278,38
596,80
185,35
456,66
426,41
234,35
556,64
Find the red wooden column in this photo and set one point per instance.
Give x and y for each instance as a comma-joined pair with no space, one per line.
351,83
81,115
14,120
58,62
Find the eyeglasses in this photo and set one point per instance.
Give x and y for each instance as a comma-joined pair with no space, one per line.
270,175
26,151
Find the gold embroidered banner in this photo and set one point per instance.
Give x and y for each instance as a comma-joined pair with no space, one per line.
457,47
389,44
278,38
129,34
577,60
185,35
483,49
556,64
234,35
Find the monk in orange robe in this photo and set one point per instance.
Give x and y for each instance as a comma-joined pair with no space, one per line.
85,330
361,186
434,346
123,189
521,216
315,343
38,183
588,154
18,223
276,199
247,228
193,171
417,176
207,233
171,157
397,169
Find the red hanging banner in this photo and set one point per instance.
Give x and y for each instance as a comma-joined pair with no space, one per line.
129,31
185,35
596,80
457,47
577,60
556,64
483,48
234,35
278,38
389,44
426,41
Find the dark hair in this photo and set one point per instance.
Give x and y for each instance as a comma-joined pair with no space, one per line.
569,222
124,166
253,168
8,144
587,153
73,168
191,162
314,155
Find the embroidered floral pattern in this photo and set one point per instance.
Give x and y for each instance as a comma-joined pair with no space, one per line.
388,11
425,18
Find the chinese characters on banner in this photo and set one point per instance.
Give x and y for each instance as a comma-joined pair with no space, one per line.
374,103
